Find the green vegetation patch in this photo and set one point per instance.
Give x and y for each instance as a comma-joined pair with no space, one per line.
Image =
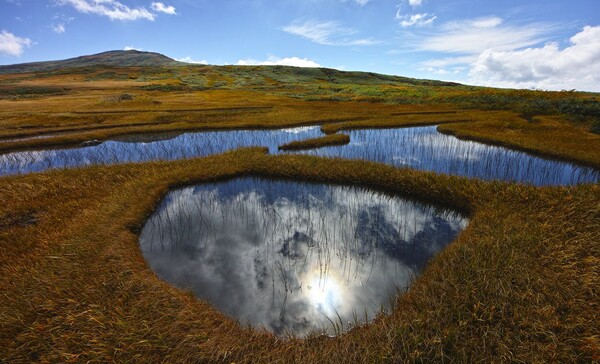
22,92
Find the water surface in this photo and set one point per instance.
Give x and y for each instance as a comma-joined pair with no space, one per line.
293,257
422,148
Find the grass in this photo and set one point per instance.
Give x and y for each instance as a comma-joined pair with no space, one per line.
325,141
519,284
80,290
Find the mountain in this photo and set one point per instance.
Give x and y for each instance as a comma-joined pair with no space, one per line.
188,73
130,58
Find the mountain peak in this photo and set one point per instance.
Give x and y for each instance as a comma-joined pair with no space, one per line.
115,58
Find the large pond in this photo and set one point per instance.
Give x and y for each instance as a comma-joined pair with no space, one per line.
422,148
294,257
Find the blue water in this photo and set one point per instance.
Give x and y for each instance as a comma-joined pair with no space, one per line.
421,148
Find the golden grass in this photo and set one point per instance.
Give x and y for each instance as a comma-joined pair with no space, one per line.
517,285
92,109
326,141
547,135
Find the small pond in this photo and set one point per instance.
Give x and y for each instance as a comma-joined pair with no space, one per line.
422,148
294,257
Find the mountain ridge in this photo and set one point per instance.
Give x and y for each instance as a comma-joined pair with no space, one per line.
135,58
124,58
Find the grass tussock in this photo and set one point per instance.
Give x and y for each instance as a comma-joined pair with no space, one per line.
325,141
76,288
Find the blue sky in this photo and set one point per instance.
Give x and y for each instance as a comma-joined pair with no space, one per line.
546,44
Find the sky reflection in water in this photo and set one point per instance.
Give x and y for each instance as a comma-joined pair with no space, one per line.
421,148
292,256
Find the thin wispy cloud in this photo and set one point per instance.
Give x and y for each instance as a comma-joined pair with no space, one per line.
162,8
58,28
408,19
327,33
276,61
449,61
13,45
473,36
115,10
420,20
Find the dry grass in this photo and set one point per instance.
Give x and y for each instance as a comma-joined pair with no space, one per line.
326,141
76,287
519,284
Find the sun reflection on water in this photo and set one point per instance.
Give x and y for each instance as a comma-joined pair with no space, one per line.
325,293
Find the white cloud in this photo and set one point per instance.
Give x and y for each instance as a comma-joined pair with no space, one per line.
162,8
12,45
415,19
58,28
276,61
409,20
449,61
361,2
190,60
128,48
112,9
474,36
547,67
327,33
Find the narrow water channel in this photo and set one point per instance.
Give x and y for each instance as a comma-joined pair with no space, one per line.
422,148
294,257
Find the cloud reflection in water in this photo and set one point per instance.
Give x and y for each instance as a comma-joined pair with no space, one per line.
422,148
292,256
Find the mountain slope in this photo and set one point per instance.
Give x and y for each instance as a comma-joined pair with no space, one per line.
242,75
110,58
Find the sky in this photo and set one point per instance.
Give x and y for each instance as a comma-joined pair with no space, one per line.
535,44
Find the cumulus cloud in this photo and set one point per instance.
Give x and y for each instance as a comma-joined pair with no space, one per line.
115,10
190,60
128,48
276,61
327,33
13,45
162,8
549,67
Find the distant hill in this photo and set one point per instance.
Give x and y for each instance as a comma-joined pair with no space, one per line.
110,58
243,75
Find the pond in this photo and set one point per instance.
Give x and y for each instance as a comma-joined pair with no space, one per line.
293,257
422,148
